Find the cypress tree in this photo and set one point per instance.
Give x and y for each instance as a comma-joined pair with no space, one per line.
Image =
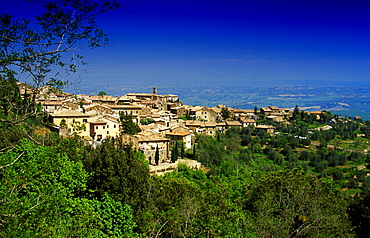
156,158
175,152
194,151
255,110
128,125
182,151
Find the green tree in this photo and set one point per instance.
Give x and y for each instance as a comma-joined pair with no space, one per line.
128,125
117,220
296,113
255,110
182,150
194,151
121,172
359,214
38,187
156,157
77,127
13,109
37,47
175,152
178,202
102,93
283,205
225,113
63,123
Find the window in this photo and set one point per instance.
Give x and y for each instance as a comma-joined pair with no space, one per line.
114,126
103,127
107,132
107,126
84,120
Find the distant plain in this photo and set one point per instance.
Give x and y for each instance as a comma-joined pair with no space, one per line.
344,100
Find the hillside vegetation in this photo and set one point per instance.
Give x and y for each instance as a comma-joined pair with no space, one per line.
298,182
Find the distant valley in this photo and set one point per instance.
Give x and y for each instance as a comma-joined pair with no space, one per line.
343,100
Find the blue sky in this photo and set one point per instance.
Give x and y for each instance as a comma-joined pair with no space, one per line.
230,42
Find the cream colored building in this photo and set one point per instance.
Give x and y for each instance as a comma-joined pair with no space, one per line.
266,128
101,128
134,110
247,122
72,120
203,114
186,137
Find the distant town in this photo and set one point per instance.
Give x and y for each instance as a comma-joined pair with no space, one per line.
163,119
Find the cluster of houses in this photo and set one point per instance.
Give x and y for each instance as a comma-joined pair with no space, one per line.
163,119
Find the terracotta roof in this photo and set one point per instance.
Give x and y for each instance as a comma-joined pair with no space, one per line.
197,108
125,98
217,110
146,136
245,120
51,102
125,106
96,105
153,126
209,124
106,118
201,123
238,110
265,127
102,98
148,101
98,121
69,113
249,111
233,123
193,123
178,133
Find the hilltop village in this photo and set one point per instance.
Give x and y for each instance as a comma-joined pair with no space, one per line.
163,119
260,167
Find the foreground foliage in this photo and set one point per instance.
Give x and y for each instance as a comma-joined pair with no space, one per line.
44,193
65,188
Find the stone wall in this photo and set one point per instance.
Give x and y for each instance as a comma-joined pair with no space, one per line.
171,167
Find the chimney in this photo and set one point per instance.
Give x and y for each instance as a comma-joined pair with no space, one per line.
154,90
